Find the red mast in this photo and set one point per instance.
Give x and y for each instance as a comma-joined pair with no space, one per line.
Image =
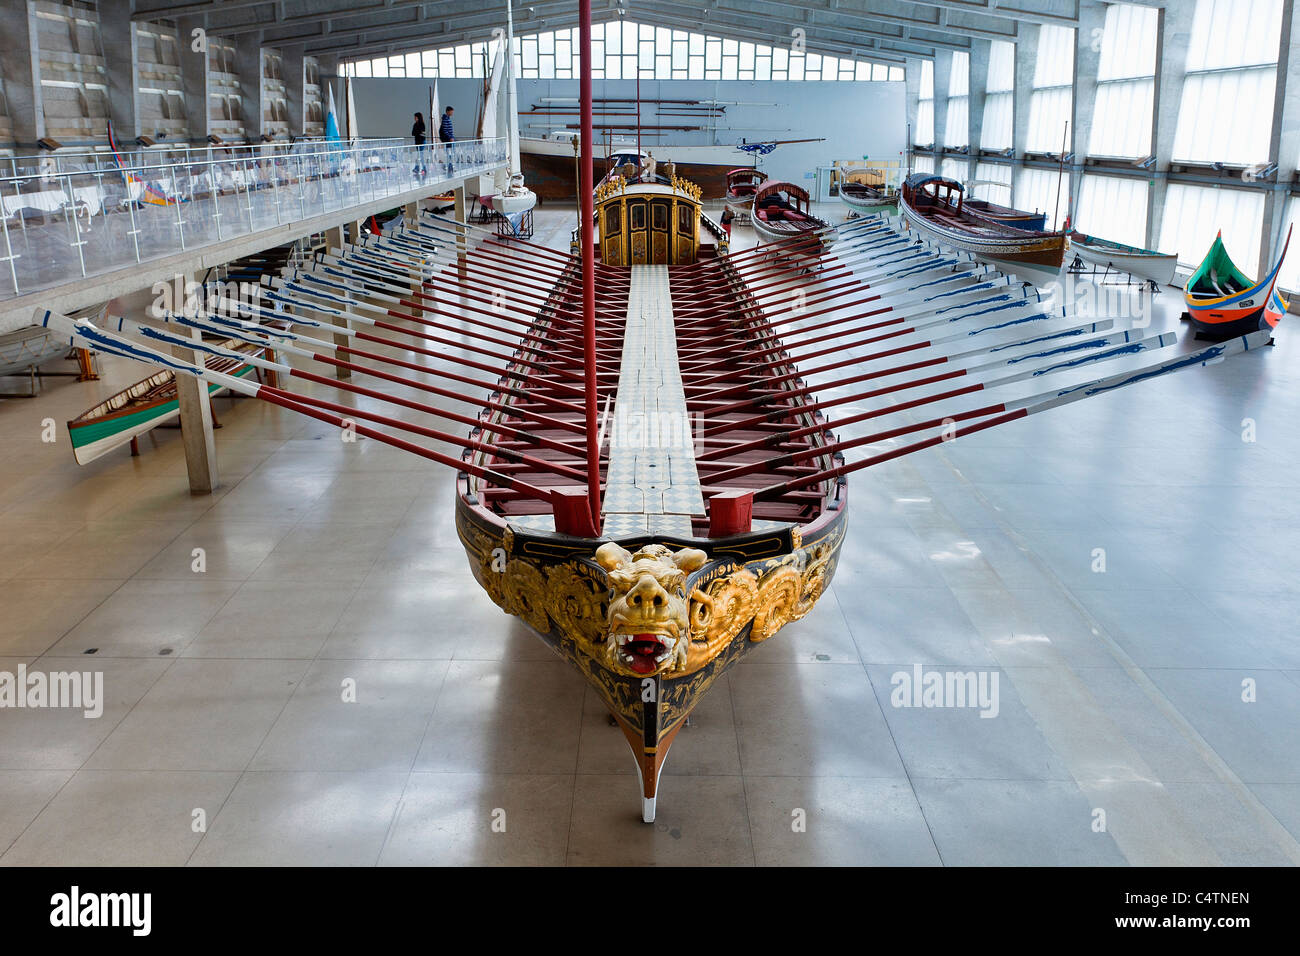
585,187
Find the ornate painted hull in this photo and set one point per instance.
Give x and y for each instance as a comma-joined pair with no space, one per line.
1253,305
730,591
751,587
1034,257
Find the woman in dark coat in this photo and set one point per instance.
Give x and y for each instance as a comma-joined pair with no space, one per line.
417,133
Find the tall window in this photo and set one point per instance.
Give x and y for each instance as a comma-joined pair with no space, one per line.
957,130
1044,190
999,103
995,183
1193,214
923,135
1289,277
1114,208
625,50
1051,99
922,164
1121,121
957,169
1227,108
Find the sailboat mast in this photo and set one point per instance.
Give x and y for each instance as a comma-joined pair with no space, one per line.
512,93
587,206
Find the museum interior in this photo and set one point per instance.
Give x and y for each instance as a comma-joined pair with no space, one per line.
639,432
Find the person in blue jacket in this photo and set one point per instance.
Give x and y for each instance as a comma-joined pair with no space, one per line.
447,135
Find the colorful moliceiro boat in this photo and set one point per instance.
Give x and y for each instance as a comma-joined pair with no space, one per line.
1221,302
1156,267
934,207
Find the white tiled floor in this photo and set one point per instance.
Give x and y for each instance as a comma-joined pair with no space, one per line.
332,566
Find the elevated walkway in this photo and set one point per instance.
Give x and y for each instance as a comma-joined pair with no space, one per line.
75,238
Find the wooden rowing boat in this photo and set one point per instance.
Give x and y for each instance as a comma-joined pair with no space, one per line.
721,504
650,480
741,185
781,214
1155,267
139,408
868,200
934,206
1222,302
1016,218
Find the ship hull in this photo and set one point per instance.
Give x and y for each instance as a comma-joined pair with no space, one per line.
551,176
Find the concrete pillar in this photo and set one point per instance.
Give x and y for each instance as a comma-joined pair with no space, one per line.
248,62
1087,60
122,59
462,240
942,72
196,423
294,80
194,79
1026,61
1171,68
334,240
912,94
979,91
1284,143
21,66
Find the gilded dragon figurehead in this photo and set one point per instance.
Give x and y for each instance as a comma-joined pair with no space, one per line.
649,614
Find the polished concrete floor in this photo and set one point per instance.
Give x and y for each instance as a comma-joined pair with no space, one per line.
1122,733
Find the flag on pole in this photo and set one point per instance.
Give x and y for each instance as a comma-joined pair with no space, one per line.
331,118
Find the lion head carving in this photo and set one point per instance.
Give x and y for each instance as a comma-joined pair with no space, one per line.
649,617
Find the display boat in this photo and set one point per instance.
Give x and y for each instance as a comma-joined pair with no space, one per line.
781,216
741,185
1016,218
1222,302
935,206
1155,267
656,548
864,191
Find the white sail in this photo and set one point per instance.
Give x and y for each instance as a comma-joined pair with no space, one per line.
491,102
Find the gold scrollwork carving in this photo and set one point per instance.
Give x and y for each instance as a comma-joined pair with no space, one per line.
777,599
718,613
523,592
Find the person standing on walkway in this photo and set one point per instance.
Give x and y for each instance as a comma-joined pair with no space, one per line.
417,134
447,135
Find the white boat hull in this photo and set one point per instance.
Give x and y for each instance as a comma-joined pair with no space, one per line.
515,202
1158,269
869,206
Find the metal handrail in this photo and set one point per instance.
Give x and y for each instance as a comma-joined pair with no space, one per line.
95,221
91,160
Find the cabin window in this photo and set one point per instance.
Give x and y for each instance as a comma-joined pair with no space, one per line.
637,214
684,219
659,217
611,219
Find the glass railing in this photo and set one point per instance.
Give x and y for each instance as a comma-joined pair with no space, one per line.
68,160
65,226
